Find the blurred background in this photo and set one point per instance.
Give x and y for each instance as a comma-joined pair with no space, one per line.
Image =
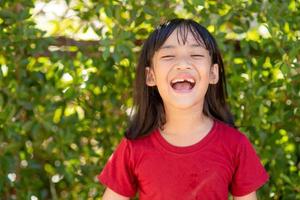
66,75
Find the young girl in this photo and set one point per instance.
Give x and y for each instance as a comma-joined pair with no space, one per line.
181,143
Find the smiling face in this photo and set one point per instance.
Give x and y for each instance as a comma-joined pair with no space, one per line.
182,72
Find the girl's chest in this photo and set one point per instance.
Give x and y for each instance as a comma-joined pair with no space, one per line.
192,175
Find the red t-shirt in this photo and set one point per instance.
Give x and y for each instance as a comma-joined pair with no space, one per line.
223,161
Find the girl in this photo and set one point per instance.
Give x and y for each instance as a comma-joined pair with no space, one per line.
181,142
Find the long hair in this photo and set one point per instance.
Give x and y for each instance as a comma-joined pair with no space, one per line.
149,112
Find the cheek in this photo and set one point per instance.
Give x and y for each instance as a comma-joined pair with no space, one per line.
161,73
162,81
204,72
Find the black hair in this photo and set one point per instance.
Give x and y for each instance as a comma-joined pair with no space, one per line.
149,112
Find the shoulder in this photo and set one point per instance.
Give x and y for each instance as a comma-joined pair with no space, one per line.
140,148
140,143
235,141
230,135
131,150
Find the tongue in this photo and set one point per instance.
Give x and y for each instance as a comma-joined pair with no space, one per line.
182,86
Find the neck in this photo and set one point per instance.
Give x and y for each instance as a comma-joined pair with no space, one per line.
186,121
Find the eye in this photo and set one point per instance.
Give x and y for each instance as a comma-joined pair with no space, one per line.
167,57
197,56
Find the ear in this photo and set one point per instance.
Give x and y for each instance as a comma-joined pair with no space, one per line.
214,74
150,77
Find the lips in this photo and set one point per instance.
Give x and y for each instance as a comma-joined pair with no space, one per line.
183,83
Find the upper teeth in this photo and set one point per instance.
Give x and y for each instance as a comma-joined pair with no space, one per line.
181,80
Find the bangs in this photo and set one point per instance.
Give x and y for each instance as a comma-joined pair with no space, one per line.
182,32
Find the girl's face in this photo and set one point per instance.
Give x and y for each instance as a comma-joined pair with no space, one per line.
182,72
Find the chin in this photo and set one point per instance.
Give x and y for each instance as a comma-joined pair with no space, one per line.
186,105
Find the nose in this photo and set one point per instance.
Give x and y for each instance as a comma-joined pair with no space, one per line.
183,64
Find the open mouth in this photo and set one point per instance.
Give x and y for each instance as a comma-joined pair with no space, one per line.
183,84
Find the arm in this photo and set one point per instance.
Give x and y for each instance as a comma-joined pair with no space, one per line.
250,196
111,195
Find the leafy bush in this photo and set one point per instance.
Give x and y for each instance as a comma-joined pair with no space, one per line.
63,100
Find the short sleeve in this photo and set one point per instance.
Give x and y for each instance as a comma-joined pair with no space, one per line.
249,172
118,173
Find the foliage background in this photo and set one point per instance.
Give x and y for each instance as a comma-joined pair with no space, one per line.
66,73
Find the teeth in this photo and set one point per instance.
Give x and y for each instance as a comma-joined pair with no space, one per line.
177,80
181,80
191,80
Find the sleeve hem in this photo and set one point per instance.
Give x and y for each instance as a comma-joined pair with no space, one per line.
115,188
252,188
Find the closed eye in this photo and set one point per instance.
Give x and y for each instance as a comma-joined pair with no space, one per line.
168,57
197,56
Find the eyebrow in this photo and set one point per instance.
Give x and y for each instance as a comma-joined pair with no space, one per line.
172,46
